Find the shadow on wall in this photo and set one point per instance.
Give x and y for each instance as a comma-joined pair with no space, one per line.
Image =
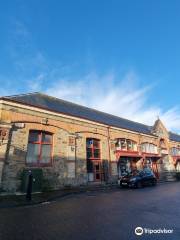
61,173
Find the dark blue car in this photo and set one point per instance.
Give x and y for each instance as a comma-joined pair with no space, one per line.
139,179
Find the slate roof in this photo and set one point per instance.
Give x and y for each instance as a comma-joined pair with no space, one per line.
58,105
174,137
44,101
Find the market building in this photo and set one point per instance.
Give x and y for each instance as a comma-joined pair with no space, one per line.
65,144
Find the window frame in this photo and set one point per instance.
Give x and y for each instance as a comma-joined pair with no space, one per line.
126,145
93,148
175,151
146,147
162,143
40,144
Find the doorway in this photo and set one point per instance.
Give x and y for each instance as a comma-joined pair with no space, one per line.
155,169
97,169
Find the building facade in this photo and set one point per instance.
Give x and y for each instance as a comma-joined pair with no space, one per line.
65,144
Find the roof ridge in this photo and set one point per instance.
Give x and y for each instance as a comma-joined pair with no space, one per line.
19,95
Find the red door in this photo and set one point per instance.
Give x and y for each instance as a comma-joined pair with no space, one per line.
97,169
155,169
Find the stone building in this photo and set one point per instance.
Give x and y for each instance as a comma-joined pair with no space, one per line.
66,144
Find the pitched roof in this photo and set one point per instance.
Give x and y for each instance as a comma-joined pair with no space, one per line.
174,137
58,105
50,103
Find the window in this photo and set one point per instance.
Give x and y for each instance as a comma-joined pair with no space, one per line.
175,151
178,166
162,143
39,148
129,145
93,148
123,144
94,169
126,145
148,148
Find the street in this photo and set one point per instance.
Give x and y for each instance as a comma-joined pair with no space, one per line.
104,215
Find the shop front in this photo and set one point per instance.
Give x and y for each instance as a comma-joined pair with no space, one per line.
175,153
151,161
127,156
128,163
177,166
150,157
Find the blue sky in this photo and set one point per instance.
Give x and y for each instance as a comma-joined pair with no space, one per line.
118,56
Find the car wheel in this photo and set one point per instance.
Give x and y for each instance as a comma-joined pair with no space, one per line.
121,186
139,185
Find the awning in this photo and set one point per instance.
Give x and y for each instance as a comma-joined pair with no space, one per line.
151,155
133,154
154,157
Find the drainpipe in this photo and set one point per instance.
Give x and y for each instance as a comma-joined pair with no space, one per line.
76,138
109,172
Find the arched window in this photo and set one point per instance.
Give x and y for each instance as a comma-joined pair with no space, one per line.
162,143
149,148
126,144
39,151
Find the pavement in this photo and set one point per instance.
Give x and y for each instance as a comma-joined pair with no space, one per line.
95,215
19,199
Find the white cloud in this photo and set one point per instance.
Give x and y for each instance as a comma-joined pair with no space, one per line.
35,83
124,98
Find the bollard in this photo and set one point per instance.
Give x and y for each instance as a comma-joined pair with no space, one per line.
29,187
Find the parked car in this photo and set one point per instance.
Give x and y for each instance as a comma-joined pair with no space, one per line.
139,179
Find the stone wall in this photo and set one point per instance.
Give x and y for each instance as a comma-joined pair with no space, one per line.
69,147
4,138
